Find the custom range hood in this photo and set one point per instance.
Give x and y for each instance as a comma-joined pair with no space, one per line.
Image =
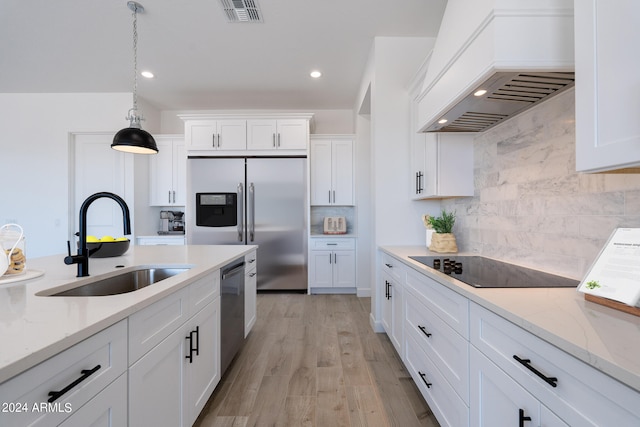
494,59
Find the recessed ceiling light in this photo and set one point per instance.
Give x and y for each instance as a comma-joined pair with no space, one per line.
315,74
480,92
147,74
442,121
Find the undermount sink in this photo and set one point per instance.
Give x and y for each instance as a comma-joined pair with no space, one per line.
126,282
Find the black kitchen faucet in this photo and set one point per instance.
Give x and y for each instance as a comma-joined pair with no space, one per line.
82,258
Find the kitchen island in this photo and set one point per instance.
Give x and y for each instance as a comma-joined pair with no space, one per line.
34,328
545,352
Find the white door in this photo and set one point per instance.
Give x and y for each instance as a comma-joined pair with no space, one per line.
261,134
201,134
342,171
179,173
161,173
98,168
320,269
232,135
344,269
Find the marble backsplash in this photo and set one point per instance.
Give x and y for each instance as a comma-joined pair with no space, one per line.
530,205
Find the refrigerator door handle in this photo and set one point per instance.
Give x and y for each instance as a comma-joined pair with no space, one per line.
252,217
240,213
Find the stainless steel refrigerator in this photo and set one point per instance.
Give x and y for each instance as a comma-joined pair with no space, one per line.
252,201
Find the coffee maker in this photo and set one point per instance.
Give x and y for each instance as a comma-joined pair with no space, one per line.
171,222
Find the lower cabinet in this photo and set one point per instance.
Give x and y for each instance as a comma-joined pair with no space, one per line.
171,383
332,263
475,368
393,312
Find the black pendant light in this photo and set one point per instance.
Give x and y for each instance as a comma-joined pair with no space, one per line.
133,139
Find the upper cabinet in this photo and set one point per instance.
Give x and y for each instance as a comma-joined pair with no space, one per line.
216,134
271,134
331,170
167,172
222,134
442,165
607,101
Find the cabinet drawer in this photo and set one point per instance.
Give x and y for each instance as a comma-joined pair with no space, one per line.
446,348
392,266
447,406
582,395
82,370
149,326
449,306
203,291
333,244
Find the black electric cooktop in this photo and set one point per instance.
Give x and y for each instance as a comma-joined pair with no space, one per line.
481,272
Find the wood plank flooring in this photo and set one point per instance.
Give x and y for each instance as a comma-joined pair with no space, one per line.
313,360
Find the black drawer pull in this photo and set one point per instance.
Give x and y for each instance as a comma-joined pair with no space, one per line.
189,356
526,363
522,418
389,265
86,373
424,376
424,331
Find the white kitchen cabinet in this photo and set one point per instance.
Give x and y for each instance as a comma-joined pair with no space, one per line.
442,165
168,172
77,375
499,401
608,76
331,170
277,134
107,409
219,135
250,292
392,312
575,392
174,355
332,263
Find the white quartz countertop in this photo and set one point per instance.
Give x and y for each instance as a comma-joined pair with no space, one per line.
607,339
34,328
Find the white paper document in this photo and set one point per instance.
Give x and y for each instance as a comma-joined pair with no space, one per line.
615,274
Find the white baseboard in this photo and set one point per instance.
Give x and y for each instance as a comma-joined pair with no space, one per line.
376,326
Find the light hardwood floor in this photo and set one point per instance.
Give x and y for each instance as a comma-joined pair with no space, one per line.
313,360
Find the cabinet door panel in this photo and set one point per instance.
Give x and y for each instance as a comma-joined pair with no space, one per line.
607,111
321,269
161,173
107,409
320,173
344,269
292,134
156,396
496,398
203,372
179,173
342,169
261,134
232,135
200,135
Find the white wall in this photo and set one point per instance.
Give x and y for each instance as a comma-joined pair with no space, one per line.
34,142
387,215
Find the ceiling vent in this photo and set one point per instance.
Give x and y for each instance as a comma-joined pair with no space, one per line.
241,10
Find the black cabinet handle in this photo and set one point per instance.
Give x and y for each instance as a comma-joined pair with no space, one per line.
189,356
417,182
424,379
386,289
389,265
197,332
522,418
86,373
526,363
424,330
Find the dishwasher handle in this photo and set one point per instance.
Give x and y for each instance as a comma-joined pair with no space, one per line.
232,271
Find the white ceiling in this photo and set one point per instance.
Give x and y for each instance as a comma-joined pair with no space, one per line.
200,60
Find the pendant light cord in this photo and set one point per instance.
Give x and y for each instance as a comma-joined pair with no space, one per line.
135,60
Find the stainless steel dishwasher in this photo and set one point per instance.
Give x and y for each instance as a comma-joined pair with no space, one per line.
231,311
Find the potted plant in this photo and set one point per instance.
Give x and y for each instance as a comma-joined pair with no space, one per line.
443,239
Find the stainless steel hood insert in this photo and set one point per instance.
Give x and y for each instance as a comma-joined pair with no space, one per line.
507,94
